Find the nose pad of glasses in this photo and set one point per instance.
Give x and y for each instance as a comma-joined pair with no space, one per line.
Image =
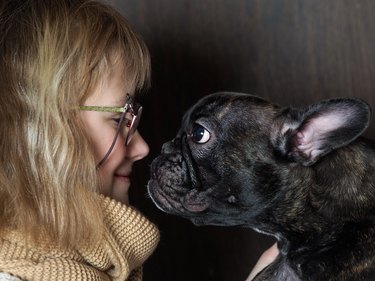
133,126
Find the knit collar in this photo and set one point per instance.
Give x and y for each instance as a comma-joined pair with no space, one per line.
128,241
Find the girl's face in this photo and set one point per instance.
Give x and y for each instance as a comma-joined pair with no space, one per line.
101,127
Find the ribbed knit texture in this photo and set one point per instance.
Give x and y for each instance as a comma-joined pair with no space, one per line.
128,241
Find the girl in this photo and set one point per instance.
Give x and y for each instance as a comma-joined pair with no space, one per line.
69,71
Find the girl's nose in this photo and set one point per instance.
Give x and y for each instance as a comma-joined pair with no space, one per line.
137,147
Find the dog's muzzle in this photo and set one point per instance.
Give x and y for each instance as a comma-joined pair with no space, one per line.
173,184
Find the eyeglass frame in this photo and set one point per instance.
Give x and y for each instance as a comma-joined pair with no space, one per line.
136,112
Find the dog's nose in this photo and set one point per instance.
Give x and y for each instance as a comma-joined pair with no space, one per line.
169,147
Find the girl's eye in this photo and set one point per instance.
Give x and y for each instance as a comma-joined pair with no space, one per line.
116,120
125,122
200,134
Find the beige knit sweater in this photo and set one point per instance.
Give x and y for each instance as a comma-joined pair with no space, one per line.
128,241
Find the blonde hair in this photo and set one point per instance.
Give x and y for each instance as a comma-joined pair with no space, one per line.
53,54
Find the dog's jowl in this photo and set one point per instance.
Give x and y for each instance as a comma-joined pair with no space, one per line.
303,175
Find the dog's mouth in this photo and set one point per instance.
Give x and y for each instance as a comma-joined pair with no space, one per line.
193,201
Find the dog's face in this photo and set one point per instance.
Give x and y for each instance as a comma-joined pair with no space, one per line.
211,166
230,157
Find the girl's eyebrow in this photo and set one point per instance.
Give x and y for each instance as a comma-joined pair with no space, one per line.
120,102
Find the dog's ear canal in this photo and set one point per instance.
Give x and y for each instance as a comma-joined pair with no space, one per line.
305,135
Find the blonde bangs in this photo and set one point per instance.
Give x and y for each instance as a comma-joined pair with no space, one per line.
48,174
117,47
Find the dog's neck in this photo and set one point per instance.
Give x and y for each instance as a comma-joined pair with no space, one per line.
336,191
346,177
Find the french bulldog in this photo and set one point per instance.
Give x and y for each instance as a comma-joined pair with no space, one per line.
303,175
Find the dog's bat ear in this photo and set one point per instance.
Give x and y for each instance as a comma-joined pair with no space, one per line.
305,135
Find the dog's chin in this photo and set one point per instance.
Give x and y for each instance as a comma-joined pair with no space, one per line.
191,203
212,221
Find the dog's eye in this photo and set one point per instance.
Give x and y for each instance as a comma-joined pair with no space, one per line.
200,134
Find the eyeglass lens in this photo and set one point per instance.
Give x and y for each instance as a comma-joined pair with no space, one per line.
133,125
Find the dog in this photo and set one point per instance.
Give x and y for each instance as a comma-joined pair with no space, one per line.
303,175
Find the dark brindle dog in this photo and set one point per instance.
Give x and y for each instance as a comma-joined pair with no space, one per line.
302,175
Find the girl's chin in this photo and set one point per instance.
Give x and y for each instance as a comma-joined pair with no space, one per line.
120,190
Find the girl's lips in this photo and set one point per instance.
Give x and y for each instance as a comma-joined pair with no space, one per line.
123,177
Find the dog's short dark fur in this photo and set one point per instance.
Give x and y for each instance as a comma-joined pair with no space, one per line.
302,175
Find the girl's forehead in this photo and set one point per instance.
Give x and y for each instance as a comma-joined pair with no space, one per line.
112,92
114,83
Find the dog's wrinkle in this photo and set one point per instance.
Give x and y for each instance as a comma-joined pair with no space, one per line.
190,165
197,196
174,204
176,191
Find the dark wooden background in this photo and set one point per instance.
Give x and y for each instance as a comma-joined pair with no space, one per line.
291,52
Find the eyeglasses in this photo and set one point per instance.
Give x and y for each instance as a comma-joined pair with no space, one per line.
132,121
